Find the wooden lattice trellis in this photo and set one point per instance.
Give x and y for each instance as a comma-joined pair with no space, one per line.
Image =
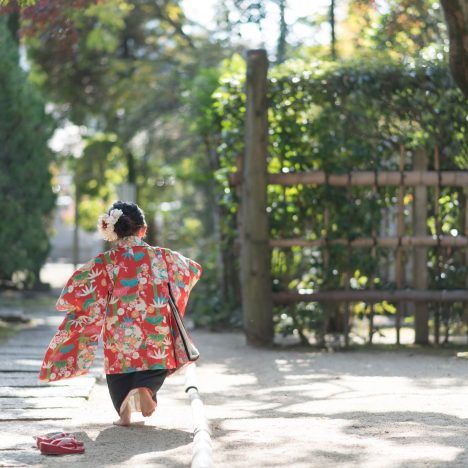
251,180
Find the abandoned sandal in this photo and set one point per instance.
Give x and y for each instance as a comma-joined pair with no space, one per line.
54,436
64,446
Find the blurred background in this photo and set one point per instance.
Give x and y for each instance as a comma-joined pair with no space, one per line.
144,100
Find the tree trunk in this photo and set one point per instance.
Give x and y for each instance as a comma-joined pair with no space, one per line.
332,30
465,230
281,46
456,16
13,23
257,301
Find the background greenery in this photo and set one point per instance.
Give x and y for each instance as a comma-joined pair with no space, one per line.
160,103
340,117
25,181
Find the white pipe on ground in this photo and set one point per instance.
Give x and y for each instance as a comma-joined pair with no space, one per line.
202,453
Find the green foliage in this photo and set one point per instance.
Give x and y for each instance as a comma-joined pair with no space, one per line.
99,170
22,3
25,180
201,101
126,73
122,66
340,117
411,28
109,20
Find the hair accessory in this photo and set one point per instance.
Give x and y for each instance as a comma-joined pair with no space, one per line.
106,225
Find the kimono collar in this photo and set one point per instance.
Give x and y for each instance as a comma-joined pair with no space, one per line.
129,241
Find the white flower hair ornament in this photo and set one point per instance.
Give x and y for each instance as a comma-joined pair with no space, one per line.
106,225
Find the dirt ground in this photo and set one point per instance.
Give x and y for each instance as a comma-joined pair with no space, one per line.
270,408
267,408
347,409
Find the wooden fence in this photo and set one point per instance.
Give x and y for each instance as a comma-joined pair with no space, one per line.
251,181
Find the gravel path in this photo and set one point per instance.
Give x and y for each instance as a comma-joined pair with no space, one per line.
348,409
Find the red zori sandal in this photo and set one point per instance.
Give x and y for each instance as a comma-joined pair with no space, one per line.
63,446
54,436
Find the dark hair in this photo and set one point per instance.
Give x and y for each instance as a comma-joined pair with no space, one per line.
131,220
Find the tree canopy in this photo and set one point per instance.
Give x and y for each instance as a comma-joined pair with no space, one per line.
146,86
25,181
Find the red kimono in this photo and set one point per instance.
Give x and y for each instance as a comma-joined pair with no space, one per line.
123,295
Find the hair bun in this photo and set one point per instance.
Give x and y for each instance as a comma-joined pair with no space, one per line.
124,226
130,220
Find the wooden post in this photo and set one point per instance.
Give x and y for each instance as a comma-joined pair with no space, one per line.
347,275
329,309
240,169
375,235
465,229
257,302
372,276
420,276
399,265
347,315
438,253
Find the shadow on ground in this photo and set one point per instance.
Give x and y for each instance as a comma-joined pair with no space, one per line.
336,409
122,444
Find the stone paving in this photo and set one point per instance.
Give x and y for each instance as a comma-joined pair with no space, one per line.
27,402
83,407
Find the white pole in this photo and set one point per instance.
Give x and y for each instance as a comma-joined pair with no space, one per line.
202,453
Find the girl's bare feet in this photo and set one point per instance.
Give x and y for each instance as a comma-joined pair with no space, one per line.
125,417
148,405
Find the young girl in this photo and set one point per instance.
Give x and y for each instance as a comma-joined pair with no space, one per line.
124,294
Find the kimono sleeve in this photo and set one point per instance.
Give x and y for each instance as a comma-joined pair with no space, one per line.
87,285
183,274
84,299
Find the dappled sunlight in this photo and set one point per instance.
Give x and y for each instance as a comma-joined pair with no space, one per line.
369,408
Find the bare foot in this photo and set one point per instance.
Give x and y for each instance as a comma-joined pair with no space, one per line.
147,403
125,417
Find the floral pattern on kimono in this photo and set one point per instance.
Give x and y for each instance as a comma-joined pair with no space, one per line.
122,294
